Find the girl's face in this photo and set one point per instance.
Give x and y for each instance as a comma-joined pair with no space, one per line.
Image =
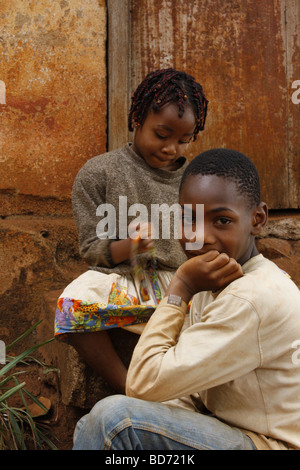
164,136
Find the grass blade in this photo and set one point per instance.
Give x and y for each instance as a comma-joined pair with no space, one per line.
23,335
11,392
21,356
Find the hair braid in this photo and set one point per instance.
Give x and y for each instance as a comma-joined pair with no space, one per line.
164,86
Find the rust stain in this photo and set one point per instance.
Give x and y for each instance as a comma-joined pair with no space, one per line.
28,107
54,69
236,50
50,122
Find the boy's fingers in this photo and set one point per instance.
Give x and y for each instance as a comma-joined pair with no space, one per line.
229,272
209,255
232,277
221,260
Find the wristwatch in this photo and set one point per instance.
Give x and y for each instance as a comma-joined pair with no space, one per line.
174,300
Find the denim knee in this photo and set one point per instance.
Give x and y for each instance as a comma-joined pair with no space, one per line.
107,410
106,415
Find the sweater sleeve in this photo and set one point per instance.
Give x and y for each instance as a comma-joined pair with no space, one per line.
167,365
87,195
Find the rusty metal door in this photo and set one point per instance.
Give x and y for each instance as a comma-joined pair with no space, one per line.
246,56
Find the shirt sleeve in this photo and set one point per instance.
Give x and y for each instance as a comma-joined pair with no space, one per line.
87,195
221,347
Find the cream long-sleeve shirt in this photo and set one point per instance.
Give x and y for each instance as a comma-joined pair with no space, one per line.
235,352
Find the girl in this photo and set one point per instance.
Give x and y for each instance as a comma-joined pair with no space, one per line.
127,278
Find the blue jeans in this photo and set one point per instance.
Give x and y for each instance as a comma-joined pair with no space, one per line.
123,423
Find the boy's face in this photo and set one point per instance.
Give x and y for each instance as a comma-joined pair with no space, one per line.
164,137
229,224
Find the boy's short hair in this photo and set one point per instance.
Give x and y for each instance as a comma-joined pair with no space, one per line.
229,164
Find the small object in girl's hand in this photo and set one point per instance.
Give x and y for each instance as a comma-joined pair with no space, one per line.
137,268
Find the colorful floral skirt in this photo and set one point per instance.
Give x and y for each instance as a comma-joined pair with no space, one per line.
96,301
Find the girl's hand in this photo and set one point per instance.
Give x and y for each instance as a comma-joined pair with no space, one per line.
210,271
121,249
145,232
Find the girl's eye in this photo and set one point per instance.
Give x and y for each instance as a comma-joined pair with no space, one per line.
164,137
187,141
161,136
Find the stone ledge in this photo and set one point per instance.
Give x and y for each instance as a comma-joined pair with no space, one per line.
285,226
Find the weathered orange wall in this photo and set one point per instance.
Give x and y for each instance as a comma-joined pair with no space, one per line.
53,66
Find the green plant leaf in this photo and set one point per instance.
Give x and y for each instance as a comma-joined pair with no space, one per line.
11,392
23,335
17,427
17,432
21,356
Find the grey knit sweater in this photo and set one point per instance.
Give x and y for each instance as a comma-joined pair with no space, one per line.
123,173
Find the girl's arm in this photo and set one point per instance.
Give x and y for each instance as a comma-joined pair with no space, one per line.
120,250
89,193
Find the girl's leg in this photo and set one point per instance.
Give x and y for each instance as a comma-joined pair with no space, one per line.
123,423
97,350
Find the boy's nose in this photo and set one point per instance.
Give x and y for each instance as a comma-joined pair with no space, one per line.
209,238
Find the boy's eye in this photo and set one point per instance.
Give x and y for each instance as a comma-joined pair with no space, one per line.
188,220
223,221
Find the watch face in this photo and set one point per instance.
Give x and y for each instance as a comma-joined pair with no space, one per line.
174,300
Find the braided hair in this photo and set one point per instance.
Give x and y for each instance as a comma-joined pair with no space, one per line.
168,86
231,165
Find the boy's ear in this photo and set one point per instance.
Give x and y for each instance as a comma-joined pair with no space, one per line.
260,217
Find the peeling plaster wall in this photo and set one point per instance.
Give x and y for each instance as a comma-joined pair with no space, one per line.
52,120
54,71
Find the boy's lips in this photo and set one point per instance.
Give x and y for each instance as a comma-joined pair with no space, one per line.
192,254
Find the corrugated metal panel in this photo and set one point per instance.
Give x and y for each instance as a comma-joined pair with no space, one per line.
293,79
240,52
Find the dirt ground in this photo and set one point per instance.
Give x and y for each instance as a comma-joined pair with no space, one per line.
60,420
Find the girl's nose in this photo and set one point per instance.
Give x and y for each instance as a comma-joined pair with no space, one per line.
170,149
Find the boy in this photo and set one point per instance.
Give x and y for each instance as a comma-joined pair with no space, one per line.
227,372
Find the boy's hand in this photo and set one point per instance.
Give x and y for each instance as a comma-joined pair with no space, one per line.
210,271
